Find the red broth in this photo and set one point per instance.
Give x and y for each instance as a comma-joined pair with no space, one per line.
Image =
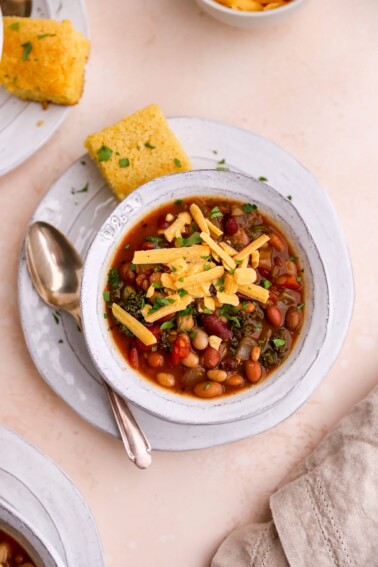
252,338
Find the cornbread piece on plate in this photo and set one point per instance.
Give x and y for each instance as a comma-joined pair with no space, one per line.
137,149
43,60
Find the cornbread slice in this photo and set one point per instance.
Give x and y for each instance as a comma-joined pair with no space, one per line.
43,60
137,149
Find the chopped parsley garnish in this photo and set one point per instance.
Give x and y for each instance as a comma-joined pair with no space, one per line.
219,282
181,280
154,348
248,208
132,267
182,292
43,35
221,168
215,213
157,285
113,278
83,190
300,306
104,154
27,50
222,161
106,316
127,246
193,335
261,178
245,304
106,296
221,289
149,146
167,325
290,197
206,386
15,26
178,202
160,302
234,320
153,238
267,284
195,238
187,311
207,311
208,258
278,343
206,267
124,162
293,258
299,279
177,162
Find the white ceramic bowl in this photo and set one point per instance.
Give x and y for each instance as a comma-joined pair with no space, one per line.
242,19
22,530
155,399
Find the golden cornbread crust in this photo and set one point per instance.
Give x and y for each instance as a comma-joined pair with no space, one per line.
144,144
43,60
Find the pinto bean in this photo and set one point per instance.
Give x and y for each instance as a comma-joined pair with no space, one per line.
127,273
142,281
253,371
155,359
211,357
274,315
293,318
208,389
165,379
217,375
235,381
214,326
255,353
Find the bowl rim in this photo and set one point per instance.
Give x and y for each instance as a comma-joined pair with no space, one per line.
250,15
104,352
17,524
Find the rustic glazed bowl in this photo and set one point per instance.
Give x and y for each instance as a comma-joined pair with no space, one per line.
240,19
22,530
155,399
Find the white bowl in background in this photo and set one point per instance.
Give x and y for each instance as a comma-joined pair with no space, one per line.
241,19
169,405
22,530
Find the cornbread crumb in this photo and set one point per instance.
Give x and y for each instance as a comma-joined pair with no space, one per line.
137,149
43,60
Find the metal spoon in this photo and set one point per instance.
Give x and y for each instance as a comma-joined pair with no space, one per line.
55,269
21,8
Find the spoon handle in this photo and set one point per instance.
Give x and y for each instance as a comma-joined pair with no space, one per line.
136,444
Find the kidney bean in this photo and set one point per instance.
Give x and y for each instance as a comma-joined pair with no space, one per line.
208,389
127,273
264,273
214,326
274,315
142,281
235,381
148,245
276,242
230,225
293,318
253,371
155,359
134,357
211,357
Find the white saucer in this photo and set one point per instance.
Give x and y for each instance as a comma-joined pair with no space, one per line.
41,492
25,126
67,367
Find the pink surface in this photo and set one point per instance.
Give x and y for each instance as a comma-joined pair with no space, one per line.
306,84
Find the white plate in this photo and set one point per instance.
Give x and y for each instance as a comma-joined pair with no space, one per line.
67,367
40,492
20,135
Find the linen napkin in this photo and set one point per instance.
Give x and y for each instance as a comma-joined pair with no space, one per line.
326,515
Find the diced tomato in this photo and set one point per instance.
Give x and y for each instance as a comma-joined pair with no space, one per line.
134,357
181,348
264,273
288,282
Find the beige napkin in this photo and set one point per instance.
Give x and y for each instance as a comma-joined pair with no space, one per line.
327,513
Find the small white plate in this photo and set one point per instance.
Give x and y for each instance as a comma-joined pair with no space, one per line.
41,493
79,213
25,126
